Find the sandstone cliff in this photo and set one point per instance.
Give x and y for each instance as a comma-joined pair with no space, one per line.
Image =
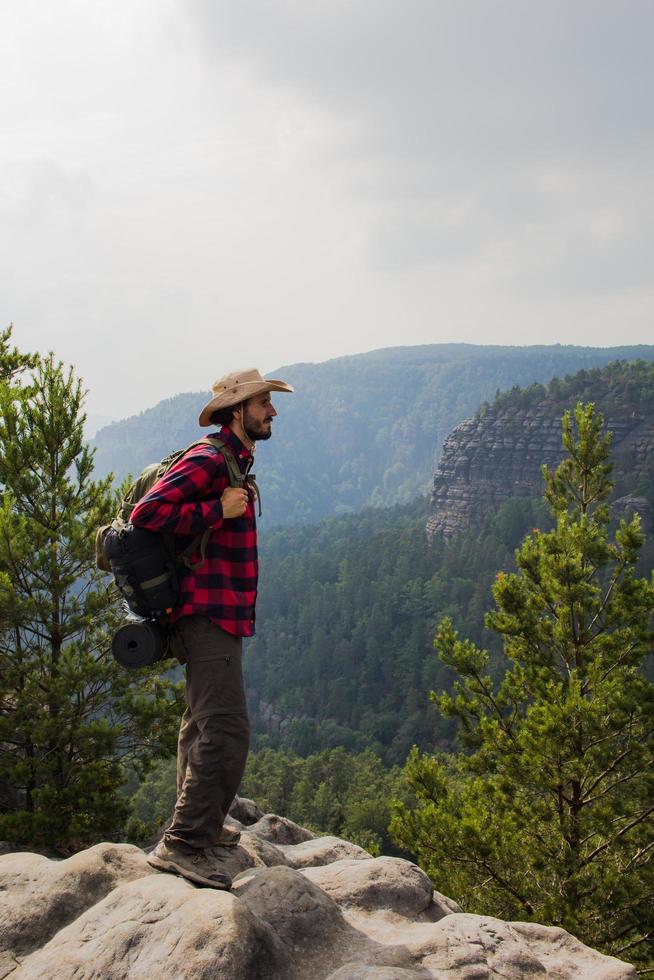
498,454
302,907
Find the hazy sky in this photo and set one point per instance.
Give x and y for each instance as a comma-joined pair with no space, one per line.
190,186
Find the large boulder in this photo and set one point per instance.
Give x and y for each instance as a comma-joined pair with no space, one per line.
562,954
480,946
269,854
322,850
245,811
279,830
38,897
383,883
162,927
309,923
303,916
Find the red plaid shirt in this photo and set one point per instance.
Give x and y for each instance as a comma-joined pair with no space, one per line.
185,501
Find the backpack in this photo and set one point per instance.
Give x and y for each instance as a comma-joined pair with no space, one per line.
144,563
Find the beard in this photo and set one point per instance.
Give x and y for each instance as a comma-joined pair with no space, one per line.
256,431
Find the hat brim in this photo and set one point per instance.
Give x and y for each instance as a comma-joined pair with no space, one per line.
247,390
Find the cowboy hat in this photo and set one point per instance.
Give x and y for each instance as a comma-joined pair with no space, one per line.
237,387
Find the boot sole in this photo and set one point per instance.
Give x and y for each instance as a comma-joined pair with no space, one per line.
183,872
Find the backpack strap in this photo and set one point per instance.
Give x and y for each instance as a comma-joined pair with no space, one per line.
252,482
236,477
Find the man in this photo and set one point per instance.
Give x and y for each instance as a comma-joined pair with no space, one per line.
215,611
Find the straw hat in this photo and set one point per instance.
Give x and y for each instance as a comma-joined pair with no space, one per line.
235,388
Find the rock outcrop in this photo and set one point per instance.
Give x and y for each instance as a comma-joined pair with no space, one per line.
498,455
301,907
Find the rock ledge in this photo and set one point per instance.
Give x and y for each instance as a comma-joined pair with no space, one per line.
302,906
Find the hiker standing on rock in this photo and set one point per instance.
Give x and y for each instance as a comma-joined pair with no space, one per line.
210,493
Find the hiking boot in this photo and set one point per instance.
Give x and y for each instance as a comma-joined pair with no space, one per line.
227,838
198,867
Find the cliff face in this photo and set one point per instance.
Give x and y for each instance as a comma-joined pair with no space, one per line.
498,455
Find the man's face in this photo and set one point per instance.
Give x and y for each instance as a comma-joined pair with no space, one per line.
258,415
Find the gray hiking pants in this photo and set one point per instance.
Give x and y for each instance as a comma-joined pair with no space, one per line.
214,734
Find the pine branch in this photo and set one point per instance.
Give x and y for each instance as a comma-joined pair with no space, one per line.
625,830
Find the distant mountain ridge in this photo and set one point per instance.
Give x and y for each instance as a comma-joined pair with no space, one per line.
360,430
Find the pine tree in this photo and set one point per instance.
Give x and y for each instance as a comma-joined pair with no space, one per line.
70,717
548,813
13,363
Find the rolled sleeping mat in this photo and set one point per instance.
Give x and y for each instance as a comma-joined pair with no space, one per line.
139,644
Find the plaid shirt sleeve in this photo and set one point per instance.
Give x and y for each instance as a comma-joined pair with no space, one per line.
186,500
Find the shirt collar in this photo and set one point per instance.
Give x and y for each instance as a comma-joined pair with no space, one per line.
234,443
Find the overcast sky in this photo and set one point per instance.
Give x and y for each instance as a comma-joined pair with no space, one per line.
191,186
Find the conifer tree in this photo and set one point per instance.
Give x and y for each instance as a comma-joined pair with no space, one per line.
548,813
13,363
70,717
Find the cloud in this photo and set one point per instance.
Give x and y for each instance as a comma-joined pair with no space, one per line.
32,192
421,75
459,129
204,184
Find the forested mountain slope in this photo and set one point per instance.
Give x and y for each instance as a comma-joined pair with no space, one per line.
347,613
348,607
365,429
